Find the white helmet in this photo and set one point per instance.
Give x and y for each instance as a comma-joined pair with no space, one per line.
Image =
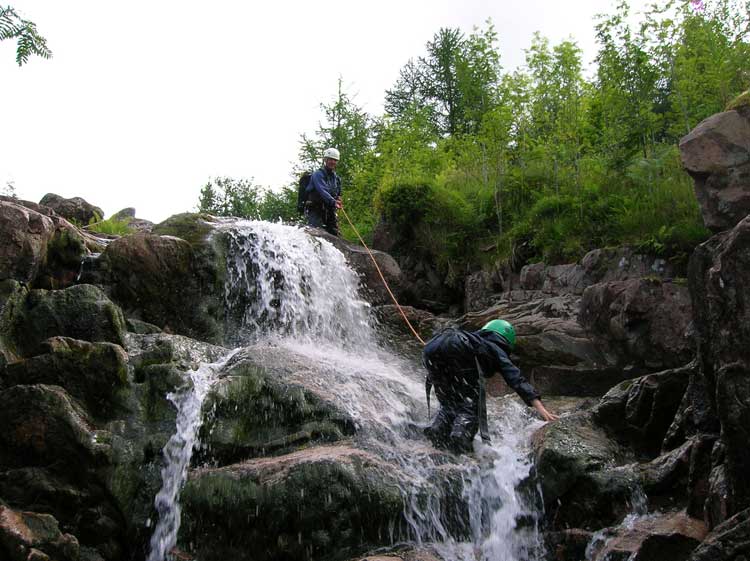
331,153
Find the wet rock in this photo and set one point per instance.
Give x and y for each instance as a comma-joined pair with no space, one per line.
40,250
26,536
598,498
91,372
43,425
716,154
278,412
75,209
79,312
319,503
403,553
719,279
157,279
671,535
12,298
567,450
567,545
644,320
729,540
640,411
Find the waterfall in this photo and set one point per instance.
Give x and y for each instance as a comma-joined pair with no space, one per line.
296,292
177,453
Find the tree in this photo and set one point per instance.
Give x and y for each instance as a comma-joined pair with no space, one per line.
346,127
454,84
225,196
13,26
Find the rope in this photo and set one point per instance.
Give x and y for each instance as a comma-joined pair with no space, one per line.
403,315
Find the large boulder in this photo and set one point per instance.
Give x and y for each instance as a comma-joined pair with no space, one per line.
730,540
325,502
38,249
79,312
26,536
598,265
42,425
719,280
75,209
641,411
567,452
279,413
91,372
645,321
716,154
669,535
160,279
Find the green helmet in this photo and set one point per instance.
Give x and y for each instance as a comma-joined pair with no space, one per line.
502,327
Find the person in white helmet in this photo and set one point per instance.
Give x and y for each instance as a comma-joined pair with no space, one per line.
324,194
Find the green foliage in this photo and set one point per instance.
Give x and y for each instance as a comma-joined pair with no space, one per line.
225,196
111,226
543,163
29,42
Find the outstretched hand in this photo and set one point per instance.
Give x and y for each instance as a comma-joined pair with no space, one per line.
542,410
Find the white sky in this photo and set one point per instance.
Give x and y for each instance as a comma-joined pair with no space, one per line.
145,100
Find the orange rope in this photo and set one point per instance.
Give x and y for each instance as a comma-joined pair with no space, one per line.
383,279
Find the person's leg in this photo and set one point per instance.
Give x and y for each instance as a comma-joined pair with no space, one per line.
465,423
332,221
440,429
314,215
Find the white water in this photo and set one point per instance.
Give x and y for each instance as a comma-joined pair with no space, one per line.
297,292
177,453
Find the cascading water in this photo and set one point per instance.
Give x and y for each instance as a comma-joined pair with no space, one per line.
177,454
296,292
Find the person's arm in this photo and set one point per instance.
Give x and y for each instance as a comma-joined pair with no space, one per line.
513,377
318,183
543,412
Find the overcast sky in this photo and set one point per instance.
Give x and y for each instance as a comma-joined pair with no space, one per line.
144,101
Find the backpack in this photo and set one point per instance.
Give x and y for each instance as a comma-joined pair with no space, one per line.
449,349
302,185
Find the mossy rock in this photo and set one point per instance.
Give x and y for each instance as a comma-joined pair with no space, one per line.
172,278
12,297
327,502
253,412
79,312
742,101
91,372
192,227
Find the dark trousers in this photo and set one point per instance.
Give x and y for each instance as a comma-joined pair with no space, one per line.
457,420
320,216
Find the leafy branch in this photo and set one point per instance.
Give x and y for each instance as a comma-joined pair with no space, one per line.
13,26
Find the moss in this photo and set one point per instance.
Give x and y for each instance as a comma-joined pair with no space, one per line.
741,101
255,415
188,226
323,510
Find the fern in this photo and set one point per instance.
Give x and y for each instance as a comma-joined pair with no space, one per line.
12,26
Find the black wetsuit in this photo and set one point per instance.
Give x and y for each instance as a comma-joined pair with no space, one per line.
452,369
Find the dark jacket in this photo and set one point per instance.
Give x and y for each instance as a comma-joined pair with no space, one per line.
491,349
325,187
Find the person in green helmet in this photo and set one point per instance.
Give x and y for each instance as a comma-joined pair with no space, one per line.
457,362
